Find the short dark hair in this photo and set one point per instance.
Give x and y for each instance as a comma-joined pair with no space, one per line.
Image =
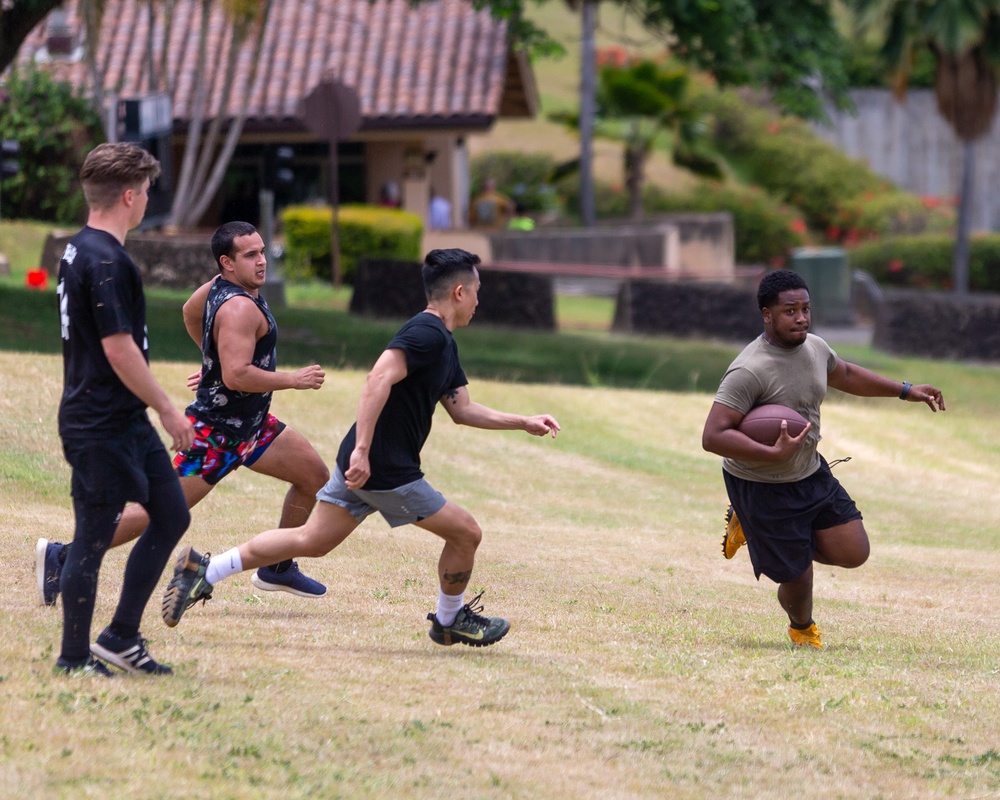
111,168
774,283
224,238
442,266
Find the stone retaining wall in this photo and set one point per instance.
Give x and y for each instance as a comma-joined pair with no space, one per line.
394,289
175,262
939,325
688,309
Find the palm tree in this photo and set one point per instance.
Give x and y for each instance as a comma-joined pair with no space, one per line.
964,37
652,99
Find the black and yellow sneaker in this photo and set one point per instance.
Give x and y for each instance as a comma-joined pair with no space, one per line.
733,539
470,627
187,587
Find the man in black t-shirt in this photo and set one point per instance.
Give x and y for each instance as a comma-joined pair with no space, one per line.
378,466
115,453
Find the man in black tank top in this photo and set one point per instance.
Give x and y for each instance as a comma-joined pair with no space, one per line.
378,467
115,453
233,425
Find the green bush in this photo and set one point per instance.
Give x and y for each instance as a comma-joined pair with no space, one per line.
56,129
870,216
764,229
788,160
925,261
365,232
524,177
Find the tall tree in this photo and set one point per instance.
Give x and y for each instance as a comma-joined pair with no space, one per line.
652,99
797,54
212,133
964,38
18,18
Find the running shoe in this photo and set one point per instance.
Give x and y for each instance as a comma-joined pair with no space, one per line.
291,580
808,637
469,627
127,654
48,569
187,587
88,668
733,539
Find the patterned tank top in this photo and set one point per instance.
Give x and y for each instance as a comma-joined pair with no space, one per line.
238,413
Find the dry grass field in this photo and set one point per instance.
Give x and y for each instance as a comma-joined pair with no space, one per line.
640,663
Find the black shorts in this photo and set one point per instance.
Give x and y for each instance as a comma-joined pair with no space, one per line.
119,468
778,519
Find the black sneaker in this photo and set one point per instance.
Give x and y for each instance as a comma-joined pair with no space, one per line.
187,587
48,569
469,627
127,654
88,668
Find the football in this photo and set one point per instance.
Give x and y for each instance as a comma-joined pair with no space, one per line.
763,423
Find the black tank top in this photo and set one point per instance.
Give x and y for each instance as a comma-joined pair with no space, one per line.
238,413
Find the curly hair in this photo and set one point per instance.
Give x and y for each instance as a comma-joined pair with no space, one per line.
774,283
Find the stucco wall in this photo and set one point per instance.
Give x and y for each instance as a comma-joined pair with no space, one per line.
912,145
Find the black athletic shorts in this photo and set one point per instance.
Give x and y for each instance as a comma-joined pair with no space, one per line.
120,467
778,519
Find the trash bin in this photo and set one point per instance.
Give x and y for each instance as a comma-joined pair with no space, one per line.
828,275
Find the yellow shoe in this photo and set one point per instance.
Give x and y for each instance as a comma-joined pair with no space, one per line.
733,539
809,636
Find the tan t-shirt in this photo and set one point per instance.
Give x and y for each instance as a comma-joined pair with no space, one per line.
764,373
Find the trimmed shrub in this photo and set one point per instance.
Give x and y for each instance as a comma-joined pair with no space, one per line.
365,232
787,159
764,229
925,262
870,216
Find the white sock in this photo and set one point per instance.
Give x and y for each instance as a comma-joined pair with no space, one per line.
224,565
448,607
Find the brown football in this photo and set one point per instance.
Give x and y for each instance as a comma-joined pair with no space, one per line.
763,423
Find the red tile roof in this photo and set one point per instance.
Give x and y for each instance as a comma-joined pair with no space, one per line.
433,64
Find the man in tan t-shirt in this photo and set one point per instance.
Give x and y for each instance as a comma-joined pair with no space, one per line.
791,509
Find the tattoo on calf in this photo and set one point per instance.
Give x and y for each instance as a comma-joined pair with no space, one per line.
454,578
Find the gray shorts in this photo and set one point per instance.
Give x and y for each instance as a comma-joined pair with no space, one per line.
404,505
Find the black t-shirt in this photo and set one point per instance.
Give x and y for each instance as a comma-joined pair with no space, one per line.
433,370
100,294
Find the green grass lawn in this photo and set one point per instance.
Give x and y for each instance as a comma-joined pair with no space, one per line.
640,663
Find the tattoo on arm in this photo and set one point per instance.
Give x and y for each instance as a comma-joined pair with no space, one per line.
456,578
452,396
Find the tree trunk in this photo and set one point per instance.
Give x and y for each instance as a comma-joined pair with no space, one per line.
635,170
183,188
588,104
960,261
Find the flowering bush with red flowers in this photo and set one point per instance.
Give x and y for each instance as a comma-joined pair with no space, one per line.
925,261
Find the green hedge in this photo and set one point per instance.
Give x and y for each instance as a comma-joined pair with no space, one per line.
870,216
365,232
925,261
764,229
784,157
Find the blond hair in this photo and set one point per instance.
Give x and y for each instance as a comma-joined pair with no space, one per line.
110,169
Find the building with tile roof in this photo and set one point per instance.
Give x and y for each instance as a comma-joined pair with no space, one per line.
426,76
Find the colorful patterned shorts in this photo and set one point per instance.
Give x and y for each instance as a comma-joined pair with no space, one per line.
215,453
